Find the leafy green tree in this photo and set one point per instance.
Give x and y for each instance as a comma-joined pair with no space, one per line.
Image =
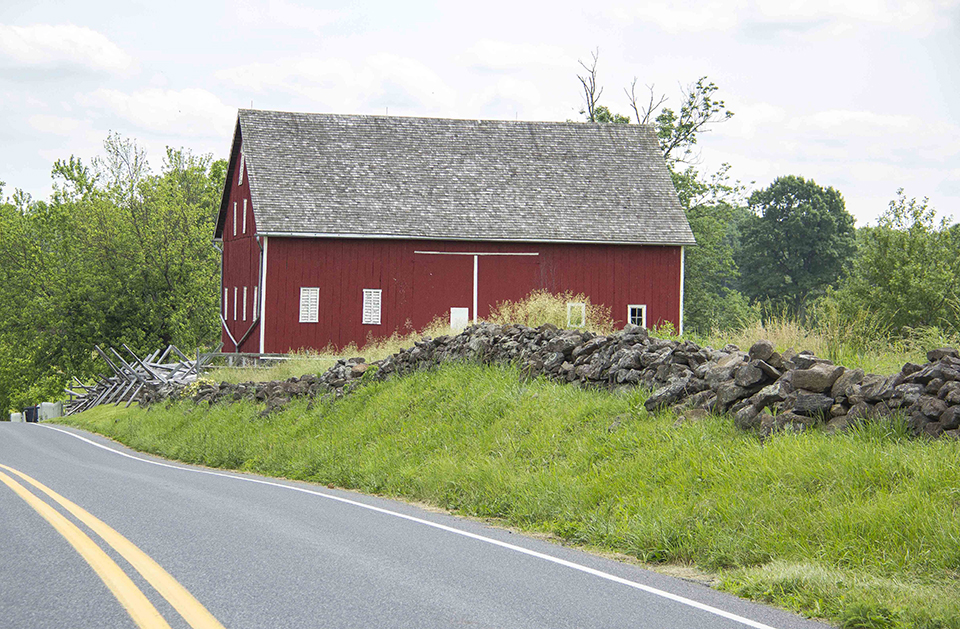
678,130
907,268
714,207
118,255
795,244
711,299
602,114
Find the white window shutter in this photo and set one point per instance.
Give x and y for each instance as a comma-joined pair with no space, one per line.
309,305
240,176
234,218
256,303
244,303
244,216
371,306
226,302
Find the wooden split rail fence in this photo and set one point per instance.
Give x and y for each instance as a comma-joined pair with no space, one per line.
171,366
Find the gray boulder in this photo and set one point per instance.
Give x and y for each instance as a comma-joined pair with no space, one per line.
761,350
847,378
666,396
815,405
935,355
749,375
817,378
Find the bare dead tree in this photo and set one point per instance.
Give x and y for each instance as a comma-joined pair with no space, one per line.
650,110
591,94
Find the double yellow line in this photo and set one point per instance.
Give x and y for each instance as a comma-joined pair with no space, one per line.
144,614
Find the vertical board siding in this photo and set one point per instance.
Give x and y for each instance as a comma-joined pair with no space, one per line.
241,265
417,287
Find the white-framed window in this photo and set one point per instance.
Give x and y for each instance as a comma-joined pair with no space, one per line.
309,304
226,302
240,176
371,306
637,315
234,218
576,314
244,303
234,303
244,216
256,303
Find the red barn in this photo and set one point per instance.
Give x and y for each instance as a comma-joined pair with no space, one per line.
338,228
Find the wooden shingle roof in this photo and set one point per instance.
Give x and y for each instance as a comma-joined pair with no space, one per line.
397,177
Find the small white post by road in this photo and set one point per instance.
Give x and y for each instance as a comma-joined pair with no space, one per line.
50,410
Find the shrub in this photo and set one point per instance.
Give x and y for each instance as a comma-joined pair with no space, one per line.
541,306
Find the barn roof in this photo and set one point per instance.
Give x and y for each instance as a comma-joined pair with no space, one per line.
400,177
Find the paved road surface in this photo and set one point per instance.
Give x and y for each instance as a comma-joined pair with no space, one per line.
95,535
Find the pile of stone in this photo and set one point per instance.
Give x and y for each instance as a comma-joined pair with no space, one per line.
761,389
336,381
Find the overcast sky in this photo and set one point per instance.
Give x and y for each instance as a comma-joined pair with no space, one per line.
859,95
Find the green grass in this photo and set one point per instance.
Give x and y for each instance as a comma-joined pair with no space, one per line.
860,528
297,365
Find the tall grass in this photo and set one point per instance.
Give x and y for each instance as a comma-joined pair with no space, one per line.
862,339
861,528
541,306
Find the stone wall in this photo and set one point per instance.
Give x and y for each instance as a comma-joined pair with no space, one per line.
760,389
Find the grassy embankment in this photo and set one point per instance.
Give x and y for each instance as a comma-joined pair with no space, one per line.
860,528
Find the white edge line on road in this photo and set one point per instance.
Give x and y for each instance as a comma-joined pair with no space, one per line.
489,540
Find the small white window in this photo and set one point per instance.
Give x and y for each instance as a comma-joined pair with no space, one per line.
459,318
309,305
256,303
244,216
234,303
371,306
234,218
576,314
240,176
637,315
226,302
244,303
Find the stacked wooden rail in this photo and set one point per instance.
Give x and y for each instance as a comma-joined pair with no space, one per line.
130,375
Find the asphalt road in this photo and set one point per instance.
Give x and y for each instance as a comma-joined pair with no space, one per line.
246,551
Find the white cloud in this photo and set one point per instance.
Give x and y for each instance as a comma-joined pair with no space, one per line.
877,137
382,80
835,16
47,46
488,54
56,125
286,14
414,78
859,122
508,98
864,154
184,113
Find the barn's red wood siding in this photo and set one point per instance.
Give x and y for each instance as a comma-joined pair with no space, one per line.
417,287
241,267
